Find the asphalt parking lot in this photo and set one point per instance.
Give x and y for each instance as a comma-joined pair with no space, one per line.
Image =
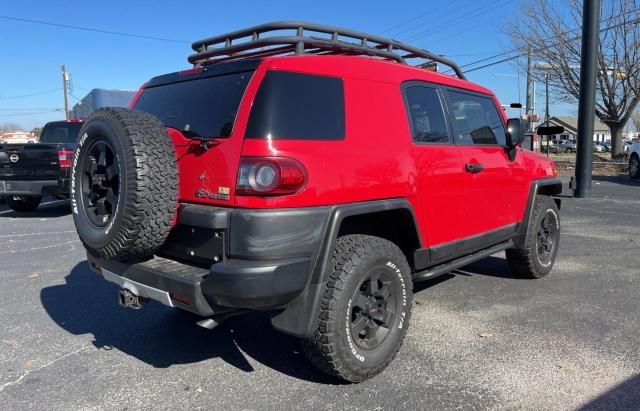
478,339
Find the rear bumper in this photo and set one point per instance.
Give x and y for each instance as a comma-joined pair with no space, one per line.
30,188
220,259
225,286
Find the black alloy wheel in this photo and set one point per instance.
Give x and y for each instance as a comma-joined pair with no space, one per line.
100,183
372,310
546,237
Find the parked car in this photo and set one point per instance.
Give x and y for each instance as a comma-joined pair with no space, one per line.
597,147
319,186
566,146
30,171
606,145
627,145
634,161
547,145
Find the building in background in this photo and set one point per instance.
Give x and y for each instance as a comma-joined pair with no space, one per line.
600,131
17,137
99,97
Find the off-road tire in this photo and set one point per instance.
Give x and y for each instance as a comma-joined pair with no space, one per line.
634,166
147,184
526,261
332,347
23,204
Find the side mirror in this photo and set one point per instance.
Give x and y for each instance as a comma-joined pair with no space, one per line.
516,131
550,131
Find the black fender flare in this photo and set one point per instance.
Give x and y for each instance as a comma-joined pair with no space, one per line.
546,186
300,317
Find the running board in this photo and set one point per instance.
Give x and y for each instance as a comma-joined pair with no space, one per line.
436,271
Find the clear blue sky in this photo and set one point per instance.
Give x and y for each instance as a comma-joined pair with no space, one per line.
465,30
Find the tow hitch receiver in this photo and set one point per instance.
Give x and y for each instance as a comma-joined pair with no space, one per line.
128,299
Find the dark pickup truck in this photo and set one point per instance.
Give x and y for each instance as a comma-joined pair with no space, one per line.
30,171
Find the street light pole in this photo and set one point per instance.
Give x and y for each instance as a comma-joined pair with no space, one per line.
587,100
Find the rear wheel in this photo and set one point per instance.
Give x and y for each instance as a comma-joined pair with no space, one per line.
536,257
365,309
634,166
23,204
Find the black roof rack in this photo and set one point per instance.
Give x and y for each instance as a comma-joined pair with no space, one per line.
221,48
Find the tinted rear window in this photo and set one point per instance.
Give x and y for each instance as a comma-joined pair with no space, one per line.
65,133
204,107
298,106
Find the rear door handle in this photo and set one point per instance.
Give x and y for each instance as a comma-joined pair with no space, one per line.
473,168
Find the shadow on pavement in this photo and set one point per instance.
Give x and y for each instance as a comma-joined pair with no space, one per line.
49,209
625,396
491,267
621,179
161,336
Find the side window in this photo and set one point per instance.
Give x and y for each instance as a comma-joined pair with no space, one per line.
476,120
428,124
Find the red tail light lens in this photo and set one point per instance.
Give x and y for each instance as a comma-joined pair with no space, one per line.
270,176
64,158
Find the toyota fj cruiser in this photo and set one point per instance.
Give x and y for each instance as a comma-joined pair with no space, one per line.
314,172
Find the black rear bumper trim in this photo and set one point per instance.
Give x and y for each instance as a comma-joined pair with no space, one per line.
26,187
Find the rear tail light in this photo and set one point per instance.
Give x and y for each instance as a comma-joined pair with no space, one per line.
64,158
270,176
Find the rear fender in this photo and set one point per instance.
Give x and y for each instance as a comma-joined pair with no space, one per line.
300,317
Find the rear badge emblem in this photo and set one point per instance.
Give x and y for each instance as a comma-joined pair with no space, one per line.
14,158
222,194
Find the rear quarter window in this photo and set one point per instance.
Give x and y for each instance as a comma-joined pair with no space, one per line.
298,107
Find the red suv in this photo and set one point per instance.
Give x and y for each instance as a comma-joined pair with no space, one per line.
315,172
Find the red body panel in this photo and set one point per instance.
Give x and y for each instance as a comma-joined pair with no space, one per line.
376,160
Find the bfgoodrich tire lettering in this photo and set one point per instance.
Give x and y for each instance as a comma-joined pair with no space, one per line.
362,266
538,254
138,173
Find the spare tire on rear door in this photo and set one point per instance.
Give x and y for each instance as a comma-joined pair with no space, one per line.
124,186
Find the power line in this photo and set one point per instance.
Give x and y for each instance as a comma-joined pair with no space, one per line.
31,114
636,21
31,95
116,33
418,17
473,13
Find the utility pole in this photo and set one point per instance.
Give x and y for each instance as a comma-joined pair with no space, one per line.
65,81
546,99
587,100
529,110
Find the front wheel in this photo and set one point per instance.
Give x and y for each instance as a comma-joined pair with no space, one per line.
23,204
536,257
365,309
634,166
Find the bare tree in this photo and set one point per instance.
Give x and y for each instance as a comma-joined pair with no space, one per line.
551,29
